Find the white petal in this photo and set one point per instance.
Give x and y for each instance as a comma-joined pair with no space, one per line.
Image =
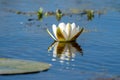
77,33
73,25
51,34
68,30
73,33
62,28
54,28
65,35
77,29
73,30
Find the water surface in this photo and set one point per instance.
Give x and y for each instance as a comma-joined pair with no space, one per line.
23,39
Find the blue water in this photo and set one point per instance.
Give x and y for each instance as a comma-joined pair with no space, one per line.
23,39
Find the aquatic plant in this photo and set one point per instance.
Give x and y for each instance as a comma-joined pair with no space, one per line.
40,14
65,32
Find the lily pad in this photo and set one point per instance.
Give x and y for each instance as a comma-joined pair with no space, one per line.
16,66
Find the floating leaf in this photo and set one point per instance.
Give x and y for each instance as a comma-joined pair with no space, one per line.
15,66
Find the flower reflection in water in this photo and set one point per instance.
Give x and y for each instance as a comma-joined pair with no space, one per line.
65,51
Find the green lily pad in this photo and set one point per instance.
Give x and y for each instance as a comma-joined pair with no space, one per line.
16,66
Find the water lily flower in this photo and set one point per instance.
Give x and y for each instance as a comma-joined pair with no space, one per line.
65,32
65,51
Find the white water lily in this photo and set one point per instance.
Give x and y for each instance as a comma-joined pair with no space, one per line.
65,32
